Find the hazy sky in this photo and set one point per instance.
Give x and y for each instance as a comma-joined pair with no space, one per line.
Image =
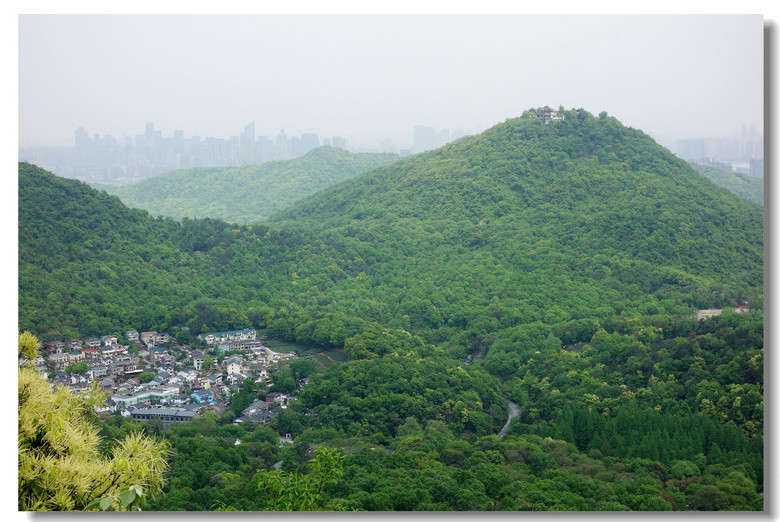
371,77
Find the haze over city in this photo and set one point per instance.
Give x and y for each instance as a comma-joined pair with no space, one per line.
373,78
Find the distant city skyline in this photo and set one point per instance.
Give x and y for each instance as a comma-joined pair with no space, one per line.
104,158
352,76
744,131
406,142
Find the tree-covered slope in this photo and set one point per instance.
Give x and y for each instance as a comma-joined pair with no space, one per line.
587,185
683,431
567,259
89,264
743,185
578,219
249,193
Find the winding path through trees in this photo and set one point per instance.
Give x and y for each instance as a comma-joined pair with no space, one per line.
514,411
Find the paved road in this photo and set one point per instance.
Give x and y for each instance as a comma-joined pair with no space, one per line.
514,411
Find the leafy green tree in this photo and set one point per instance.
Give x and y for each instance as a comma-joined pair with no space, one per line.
132,499
301,368
295,492
145,377
409,427
61,465
183,336
289,421
208,363
284,381
78,368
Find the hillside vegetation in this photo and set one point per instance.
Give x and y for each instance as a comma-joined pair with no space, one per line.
580,220
249,193
566,261
743,185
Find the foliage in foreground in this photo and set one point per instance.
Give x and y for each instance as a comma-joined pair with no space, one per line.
61,465
295,492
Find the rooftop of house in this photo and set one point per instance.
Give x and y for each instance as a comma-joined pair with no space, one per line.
181,412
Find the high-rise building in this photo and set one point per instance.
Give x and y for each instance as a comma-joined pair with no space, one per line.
424,138
83,146
282,146
147,154
247,145
442,137
178,141
265,149
295,147
757,168
233,151
691,150
309,141
340,142
82,139
149,134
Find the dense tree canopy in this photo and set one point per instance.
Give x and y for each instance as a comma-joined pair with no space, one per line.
249,193
592,434
557,266
749,187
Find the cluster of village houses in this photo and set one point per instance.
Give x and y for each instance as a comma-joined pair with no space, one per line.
181,388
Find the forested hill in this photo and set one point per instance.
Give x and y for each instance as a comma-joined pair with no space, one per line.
249,193
566,260
744,185
577,219
585,185
577,222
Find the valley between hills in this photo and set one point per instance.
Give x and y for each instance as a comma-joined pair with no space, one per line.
554,265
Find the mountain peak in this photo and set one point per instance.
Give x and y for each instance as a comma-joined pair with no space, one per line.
579,183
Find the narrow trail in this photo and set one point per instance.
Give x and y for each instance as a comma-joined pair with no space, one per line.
514,411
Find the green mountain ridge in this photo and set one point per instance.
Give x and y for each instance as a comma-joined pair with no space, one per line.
249,193
597,182
579,220
526,210
564,262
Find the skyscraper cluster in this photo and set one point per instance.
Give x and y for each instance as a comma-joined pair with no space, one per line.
106,159
745,154
428,138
